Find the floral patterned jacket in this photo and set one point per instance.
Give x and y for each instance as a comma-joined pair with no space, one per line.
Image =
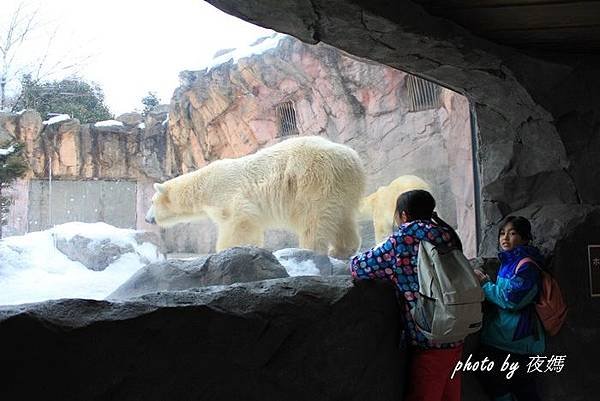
396,259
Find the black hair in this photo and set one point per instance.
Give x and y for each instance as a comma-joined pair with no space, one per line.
521,225
419,204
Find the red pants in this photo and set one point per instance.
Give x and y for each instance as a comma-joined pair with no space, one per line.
430,372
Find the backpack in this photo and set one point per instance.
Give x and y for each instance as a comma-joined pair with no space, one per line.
450,297
551,307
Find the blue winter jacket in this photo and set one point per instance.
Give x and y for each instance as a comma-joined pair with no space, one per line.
511,324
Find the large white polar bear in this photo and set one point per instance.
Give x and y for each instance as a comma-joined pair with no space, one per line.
381,204
308,185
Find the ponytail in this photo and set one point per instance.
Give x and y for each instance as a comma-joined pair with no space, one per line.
437,220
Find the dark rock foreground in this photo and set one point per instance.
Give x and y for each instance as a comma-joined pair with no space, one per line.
302,338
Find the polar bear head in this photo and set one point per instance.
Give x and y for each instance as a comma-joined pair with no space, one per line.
169,207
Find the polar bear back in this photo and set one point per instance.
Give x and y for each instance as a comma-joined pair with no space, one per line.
277,182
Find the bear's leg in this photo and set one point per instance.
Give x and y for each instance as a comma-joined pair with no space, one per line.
345,239
383,229
237,232
315,238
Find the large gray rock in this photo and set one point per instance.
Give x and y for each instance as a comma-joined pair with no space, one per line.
234,265
95,255
132,118
301,338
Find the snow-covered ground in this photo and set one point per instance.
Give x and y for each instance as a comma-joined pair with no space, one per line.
33,270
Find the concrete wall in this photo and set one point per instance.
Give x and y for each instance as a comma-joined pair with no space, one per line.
112,202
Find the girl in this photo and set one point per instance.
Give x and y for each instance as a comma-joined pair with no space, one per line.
395,259
511,327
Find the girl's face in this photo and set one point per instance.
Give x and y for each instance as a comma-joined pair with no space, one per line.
510,238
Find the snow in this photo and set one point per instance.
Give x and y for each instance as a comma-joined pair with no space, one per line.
7,151
235,55
57,119
141,126
295,267
33,270
108,123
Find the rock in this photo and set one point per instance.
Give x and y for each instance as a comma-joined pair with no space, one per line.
7,126
234,265
550,224
300,338
130,118
340,267
149,236
95,255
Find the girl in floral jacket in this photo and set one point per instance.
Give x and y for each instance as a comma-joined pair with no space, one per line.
395,259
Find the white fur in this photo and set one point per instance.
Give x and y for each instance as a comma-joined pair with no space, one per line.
309,185
381,204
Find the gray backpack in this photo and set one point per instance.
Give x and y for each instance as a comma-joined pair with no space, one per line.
449,304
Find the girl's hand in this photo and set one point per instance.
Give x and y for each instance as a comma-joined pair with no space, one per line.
481,276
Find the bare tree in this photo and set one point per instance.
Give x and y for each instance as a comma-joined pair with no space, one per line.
22,26
17,31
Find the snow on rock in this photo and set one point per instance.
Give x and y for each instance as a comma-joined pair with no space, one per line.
258,47
304,262
108,123
7,151
57,119
32,269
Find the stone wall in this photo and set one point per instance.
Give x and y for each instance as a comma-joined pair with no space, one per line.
95,170
58,202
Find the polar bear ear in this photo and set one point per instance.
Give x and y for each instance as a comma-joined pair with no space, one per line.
160,188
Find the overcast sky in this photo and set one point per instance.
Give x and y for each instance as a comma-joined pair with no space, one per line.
132,46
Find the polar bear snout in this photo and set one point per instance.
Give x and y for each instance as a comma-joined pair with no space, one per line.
150,218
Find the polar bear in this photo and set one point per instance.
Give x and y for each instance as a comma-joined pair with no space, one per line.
308,185
381,204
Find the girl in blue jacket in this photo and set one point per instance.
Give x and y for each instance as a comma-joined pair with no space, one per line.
511,327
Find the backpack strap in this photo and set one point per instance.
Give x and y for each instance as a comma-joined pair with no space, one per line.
525,260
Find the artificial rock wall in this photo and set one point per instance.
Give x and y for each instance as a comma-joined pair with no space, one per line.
538,124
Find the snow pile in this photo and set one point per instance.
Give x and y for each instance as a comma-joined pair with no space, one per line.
7,151
108,123
32,269
295,267
259,47
57,119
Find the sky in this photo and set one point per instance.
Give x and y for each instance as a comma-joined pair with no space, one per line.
130,47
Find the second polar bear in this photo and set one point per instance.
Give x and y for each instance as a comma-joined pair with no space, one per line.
308,185
381,204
